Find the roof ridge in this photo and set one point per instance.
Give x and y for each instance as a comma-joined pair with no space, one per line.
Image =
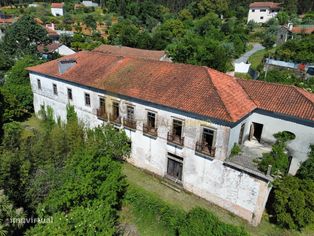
218,93
301,90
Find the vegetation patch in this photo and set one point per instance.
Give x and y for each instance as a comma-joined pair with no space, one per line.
197,221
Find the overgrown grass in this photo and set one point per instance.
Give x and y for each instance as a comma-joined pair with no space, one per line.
186,202
257,58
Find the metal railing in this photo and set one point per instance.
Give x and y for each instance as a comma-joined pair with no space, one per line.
175,139
115,119
130,123
203,148
102,114
149,130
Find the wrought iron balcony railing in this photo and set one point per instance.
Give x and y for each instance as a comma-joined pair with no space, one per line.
205,149
175,139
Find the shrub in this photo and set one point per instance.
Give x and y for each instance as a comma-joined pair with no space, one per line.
236,149
198,221
293,202
306,170
277,158
201,222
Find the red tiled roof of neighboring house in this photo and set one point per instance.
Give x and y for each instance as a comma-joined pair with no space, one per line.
271,5
303,29
49,48
130,52
6,20
195,89
279,98
51,32
57,5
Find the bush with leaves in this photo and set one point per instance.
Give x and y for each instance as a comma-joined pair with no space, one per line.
11,219
306,170
278,157
293,202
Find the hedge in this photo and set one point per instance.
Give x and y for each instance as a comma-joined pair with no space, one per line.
198,221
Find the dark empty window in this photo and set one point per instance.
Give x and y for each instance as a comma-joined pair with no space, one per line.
115,110
253,10
263,10
102,103
130,112
261,17
70,97
55,89
208,137
87,99
174,166
39,84
177,128
151,119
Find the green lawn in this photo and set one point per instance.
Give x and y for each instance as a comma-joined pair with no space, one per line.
256,58
187,201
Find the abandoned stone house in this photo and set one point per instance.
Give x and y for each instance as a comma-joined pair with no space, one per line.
183,120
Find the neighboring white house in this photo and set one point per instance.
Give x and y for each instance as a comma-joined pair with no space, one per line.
183,120
261,12
48,50
57,9
89,4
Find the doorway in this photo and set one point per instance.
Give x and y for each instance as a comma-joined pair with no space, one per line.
175,166
256,131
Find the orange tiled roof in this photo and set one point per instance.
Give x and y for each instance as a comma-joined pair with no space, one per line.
279,98
57,5
49,48
190,88
299,29
130,52
6,20
271,5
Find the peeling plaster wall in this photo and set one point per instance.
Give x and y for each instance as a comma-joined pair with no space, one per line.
208,178
298,148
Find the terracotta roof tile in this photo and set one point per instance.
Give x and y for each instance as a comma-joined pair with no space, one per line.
130,52
57,5
49,48
194,89
299,29
283,99
271,5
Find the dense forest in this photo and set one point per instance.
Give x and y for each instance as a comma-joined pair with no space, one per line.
294,6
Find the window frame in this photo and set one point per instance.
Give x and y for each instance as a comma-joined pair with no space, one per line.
214,135
69,91
129,107
87,98
155,118
55,89
39,84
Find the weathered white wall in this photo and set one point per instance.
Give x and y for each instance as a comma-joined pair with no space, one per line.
298,148
257,14
57,11
237,192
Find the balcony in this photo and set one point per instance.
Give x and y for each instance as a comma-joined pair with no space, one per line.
205,149
175,139
151,131
102,114
129,123
115,119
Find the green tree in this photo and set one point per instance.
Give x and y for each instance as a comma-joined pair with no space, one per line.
306,170
23,37
293,202
90,22
17,82
8,212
